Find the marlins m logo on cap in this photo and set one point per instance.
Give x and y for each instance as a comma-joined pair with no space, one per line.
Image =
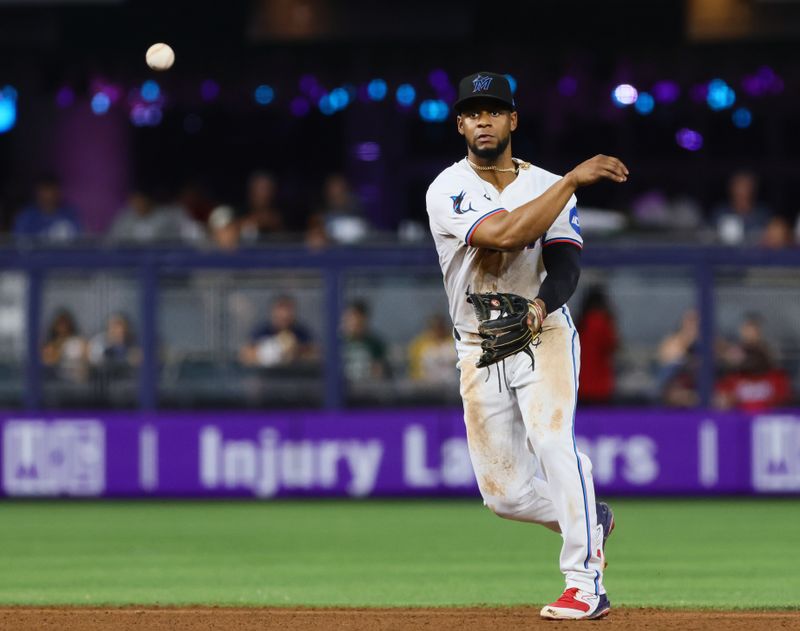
482,86
481,83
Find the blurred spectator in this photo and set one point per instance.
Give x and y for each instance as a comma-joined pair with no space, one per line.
48,217
756,385
195,201
263,217
65,351
223,228
742,219
677,364
652,209
142,222
732,354
281,341
340,219
598,334
116,346
364,353
777,234
432,354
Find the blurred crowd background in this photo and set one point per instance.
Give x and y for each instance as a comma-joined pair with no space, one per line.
315,126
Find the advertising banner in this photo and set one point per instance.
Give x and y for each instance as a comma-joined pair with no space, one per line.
375,453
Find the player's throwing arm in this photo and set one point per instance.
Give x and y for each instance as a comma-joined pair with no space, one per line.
515,230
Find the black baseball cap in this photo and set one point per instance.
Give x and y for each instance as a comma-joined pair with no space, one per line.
484,85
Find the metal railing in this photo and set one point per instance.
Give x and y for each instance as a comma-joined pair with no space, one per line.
333,265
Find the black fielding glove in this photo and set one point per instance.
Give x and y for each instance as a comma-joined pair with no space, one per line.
508,333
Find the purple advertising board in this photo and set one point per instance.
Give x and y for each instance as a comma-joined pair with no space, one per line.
375,453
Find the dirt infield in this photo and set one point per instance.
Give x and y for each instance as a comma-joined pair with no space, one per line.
461,619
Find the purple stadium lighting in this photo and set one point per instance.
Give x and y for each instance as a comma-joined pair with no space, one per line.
567,86
689,139
763,82
308,84
368,151
65,97
146,115
438,79
666,92
113,92
209,90
311,87
699,92
299,106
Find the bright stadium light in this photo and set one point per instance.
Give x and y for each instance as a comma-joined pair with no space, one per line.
8,109
624,94
325,105
433,110
377,89
645,103
339,98
150,91
720,95
689,139
264,94
742,117
100,103
406,94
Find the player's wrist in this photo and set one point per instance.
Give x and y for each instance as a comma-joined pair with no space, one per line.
571,180
538,312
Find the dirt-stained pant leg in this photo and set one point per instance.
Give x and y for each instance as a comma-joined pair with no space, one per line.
497,438
547,398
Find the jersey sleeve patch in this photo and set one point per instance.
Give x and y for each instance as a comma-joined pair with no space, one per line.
574,220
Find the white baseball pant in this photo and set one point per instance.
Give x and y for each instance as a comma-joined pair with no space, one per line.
520,430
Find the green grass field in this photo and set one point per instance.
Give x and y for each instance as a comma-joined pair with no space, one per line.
713,553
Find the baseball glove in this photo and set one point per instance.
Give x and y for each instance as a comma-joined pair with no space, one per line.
507,333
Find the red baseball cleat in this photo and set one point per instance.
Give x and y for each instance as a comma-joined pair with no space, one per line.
576,604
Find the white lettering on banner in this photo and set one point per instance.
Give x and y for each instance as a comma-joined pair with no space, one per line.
54,458
148,458
267,464
708,453
455,470
637,455
776,453
415,469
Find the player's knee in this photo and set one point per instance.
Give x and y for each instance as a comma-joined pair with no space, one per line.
506,507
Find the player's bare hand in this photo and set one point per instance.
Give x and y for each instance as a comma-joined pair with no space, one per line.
598,168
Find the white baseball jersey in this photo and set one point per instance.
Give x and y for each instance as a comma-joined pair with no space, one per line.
519,425
458,201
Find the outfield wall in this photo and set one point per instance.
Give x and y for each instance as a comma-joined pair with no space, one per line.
376,453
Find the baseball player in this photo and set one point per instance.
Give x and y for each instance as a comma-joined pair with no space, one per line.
509,241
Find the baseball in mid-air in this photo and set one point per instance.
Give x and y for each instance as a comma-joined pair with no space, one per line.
160,56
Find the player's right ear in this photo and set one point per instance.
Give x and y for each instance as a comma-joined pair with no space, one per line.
460,124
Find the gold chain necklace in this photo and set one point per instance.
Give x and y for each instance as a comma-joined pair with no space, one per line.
514,169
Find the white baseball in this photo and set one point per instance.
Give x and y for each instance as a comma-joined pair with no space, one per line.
160,56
